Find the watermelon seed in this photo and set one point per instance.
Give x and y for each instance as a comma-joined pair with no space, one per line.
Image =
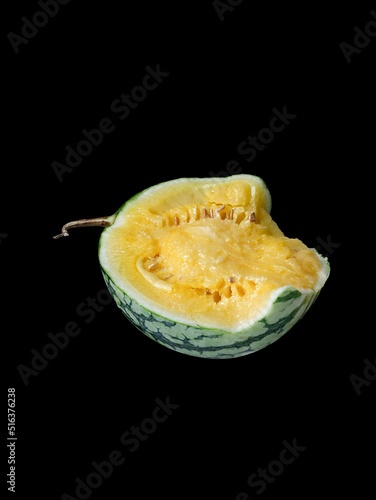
204,212
153,266
252,217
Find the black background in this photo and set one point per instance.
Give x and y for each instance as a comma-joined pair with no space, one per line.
225,78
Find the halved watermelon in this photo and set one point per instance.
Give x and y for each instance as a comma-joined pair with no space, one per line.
198,265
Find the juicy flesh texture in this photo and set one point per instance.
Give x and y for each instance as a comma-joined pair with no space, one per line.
210,255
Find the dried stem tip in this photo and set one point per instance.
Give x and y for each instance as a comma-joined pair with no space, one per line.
98,221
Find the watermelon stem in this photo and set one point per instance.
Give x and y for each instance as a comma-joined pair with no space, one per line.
98,221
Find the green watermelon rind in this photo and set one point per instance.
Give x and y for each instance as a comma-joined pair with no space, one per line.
287,309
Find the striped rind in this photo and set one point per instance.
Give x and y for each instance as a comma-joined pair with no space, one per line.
286,310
